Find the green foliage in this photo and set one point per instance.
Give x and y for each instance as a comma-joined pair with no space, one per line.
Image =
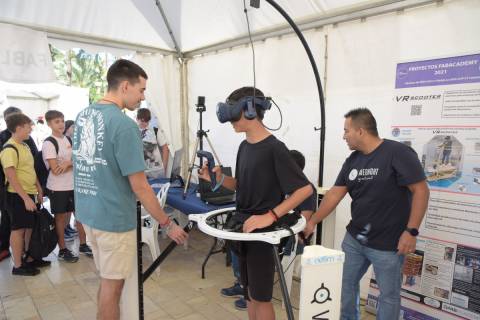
81,69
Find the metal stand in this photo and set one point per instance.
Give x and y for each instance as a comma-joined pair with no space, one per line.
201,108
213,251
143,276
283,283
139,262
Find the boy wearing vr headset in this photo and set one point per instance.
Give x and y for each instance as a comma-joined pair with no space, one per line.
264,173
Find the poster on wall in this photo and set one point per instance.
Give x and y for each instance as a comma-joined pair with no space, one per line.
436,111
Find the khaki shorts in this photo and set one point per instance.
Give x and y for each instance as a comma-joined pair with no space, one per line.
114,253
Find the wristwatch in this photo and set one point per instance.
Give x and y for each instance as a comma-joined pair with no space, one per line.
412,231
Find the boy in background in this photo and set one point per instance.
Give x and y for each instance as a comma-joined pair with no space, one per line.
22,192
5,135
155,158
60,183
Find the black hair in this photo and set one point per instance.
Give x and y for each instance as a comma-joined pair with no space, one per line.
10,110
299,158
243,92
144,114
122,70
68,124
363,118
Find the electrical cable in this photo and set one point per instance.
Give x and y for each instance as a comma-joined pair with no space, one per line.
253,49
281,117
254,73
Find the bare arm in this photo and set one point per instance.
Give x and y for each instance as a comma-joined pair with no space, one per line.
143,191
266,219
294,200
420,196
165,154
307,214
54,168
11,175
329,202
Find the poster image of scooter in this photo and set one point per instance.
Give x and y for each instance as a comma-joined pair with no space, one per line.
443,161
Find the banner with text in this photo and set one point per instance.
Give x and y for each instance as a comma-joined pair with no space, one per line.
24,55
436,111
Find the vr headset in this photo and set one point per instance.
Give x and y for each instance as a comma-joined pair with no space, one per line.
233,111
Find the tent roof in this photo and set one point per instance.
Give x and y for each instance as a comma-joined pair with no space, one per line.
138,24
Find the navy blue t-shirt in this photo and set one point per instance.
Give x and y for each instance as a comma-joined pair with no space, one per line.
378,184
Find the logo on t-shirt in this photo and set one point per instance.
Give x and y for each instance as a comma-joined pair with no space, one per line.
89,137
91,130
363,174
353,174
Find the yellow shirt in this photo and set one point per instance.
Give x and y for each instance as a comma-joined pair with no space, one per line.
23,164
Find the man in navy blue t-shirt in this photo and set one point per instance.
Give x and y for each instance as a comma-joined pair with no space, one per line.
389,198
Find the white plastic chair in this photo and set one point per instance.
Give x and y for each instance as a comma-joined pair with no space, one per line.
150,225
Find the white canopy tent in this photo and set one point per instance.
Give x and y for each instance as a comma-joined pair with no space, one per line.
356,45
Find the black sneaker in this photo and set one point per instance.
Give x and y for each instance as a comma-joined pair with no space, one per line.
241,304
38,263
25,270
67,255
85,249
233,292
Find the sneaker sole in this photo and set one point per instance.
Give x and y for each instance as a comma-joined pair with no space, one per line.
241,309
25,274
69,261
89,254
235,296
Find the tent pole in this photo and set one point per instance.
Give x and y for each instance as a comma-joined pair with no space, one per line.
184,113
170,32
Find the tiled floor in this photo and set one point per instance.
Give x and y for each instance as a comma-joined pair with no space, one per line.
175,291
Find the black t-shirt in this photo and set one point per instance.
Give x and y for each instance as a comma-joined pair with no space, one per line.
381,200
5,135
310,203
265,173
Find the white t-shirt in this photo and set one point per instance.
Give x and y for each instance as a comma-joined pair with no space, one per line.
64,181
152,153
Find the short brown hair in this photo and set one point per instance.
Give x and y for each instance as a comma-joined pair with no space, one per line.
243,92
16,120
122,70
144,114
53,114
363,118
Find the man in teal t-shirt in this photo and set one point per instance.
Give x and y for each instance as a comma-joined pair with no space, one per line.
109,177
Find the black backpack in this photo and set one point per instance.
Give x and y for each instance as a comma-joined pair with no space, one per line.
40,167
3,179
44,236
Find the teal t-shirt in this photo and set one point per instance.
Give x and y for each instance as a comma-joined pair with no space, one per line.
106,149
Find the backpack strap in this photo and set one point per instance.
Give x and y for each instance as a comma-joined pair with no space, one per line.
11,146
69,140
54,142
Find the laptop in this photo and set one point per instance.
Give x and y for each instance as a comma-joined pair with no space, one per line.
222,196
173,169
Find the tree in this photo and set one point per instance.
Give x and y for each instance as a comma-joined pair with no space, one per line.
81,69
